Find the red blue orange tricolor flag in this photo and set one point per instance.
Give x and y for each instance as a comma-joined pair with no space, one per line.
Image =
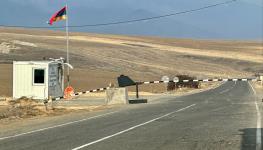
60,15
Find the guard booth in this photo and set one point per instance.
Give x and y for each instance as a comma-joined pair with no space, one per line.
37,79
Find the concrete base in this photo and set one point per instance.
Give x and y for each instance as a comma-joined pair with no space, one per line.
138,101
117,96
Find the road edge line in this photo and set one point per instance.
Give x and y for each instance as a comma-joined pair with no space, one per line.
60,125
258,132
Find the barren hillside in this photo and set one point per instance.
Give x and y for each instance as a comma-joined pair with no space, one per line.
99,59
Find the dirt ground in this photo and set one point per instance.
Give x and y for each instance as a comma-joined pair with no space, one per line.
25,108
100,59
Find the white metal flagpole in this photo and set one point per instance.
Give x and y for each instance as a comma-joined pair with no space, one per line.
67,34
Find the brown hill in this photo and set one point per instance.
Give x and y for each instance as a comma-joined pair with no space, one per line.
99,59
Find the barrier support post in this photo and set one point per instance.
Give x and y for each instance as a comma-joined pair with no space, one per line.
137,90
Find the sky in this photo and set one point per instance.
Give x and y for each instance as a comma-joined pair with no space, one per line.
240,20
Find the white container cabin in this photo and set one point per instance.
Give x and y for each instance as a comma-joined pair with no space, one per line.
37,79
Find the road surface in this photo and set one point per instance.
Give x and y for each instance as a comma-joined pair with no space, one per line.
223,118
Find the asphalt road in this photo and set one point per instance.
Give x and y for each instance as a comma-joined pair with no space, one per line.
221,118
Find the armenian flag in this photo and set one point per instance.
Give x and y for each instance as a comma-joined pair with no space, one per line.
60,15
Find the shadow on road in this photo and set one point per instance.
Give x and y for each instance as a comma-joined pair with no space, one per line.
248,138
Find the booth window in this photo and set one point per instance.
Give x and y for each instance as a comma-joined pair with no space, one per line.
39,76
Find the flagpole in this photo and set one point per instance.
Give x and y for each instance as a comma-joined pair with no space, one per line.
67,36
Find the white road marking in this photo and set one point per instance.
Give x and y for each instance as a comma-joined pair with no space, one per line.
243,103
131,128
254,91
258,147
224,91
60,125
258,133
